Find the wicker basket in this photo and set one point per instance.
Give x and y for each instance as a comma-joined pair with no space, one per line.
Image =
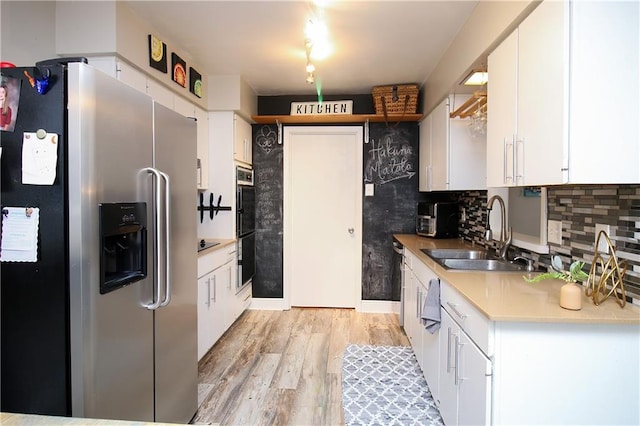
397,99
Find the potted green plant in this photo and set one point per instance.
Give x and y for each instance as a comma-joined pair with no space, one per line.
570,292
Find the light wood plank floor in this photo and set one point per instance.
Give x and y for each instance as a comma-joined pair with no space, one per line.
285,367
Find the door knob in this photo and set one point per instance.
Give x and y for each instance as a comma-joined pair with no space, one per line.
351,230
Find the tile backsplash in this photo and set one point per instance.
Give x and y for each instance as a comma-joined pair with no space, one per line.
580,208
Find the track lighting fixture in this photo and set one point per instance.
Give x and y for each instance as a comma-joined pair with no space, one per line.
311,78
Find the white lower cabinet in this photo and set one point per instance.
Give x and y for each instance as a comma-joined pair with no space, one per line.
448,391
409,298
414,297
215,293
424,343
430,342
465,377
466,372
211,304
519,372
238,303
566,373
418,328
484,372
457,371
205,316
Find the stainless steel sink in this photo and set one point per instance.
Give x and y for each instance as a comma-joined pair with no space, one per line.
451,253
471,260
482,265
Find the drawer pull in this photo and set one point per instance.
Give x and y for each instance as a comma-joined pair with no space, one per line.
455,311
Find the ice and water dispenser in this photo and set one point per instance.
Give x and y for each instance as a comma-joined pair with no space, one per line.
123,235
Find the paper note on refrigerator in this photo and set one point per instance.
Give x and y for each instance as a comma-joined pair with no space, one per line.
39,158
19,234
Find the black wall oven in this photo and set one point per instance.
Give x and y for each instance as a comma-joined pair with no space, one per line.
245,226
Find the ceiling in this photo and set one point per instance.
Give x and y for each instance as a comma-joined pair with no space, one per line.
375,42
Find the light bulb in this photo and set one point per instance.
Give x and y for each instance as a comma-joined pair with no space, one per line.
310,67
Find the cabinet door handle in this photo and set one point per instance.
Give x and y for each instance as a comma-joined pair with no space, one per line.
214,289
517,174
504,160
229,270
208,291
448,349
417,302
456,311
199,169
458,347
507,177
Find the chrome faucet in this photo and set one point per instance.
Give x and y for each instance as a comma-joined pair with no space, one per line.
505,240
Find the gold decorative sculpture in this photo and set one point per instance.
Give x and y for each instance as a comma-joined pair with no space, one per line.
605,275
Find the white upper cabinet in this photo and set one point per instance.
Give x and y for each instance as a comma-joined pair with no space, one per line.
188,109
425,153
560,108
439,162
202,168
502,120
450,158
242,140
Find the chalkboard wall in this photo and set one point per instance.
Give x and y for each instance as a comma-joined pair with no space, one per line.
390,161
268,175
391,164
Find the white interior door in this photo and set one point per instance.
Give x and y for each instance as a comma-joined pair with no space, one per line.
323,216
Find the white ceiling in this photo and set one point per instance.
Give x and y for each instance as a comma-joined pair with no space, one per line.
375,42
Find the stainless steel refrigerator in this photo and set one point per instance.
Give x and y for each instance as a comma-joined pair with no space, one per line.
103,323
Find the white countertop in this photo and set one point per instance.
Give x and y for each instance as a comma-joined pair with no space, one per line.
221,243
506,296
14,419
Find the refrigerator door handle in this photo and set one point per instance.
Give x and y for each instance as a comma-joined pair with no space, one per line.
167,239
158,217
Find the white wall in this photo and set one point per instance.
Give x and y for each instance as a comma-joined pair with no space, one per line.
232,93
132,43
27,31
101,28
85,28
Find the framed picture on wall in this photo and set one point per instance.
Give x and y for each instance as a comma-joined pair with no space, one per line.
195,82
157,54
179,70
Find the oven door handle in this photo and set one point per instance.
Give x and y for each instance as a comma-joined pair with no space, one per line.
398,249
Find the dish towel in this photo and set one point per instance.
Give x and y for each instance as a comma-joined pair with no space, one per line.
431,308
